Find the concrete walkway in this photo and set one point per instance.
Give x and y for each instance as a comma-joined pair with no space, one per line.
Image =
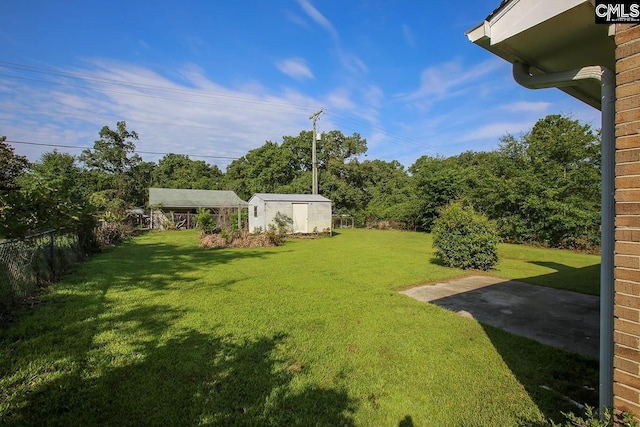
559,318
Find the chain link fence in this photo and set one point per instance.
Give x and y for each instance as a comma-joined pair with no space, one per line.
33,261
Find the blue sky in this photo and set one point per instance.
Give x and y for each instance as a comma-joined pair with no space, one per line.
218,78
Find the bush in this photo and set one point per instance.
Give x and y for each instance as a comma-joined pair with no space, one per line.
204,221
283,223
240,240
464,238
110,233
592,419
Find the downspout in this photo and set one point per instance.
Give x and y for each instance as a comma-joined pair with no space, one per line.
607,80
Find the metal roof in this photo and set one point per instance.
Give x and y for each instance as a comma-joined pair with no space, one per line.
550,36
271,197
183,198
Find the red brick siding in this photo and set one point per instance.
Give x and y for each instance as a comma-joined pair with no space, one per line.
626,377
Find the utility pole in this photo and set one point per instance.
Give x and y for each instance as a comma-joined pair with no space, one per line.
314,160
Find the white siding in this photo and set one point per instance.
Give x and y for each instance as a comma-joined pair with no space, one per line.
261,213
257,216
319,217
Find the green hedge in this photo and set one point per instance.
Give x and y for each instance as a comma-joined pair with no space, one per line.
464,238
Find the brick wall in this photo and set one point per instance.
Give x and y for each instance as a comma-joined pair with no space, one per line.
626,377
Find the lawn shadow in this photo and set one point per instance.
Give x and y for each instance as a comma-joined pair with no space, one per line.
188,378
437,261
551,376
406,422
84,359
584,279
161,266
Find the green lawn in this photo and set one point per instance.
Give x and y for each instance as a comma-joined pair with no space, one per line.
161,332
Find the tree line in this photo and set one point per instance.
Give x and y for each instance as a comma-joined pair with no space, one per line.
539,187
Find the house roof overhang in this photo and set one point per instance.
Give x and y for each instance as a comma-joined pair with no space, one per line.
550,36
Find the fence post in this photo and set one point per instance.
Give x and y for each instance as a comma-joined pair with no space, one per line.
52,252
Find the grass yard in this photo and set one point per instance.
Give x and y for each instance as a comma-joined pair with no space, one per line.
161,332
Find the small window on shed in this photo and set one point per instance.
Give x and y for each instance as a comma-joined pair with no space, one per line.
255,211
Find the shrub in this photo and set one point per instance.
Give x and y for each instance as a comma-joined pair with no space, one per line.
168,224
283,223
591,419
464,238
240,240
110,233
212,241
204,221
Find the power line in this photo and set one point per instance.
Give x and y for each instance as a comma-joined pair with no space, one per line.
58,113
403,138
84,147
396,138
137,94
125,83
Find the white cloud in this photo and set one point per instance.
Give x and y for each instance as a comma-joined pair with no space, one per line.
296,19
295,68
373,96
408,35
210,120
318,17
351,62
445,80
538,107
495,130
340,100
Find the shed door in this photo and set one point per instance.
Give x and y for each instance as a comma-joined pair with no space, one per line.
300,217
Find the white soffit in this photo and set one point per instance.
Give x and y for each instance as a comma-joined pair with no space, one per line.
550,36
520,15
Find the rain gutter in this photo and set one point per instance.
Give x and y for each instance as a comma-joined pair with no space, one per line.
607,80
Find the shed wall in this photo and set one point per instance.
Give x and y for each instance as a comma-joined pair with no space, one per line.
319,216
257,217
626,377
262,213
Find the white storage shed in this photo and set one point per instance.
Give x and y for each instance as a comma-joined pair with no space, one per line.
311,213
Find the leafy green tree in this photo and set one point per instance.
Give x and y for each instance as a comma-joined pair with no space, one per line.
437,181
543,186
179,171
388,192
300,147
286,168
553,185
566,156
114,152
51,194
265,169
11,166
140,179
58,179
336,149
338,168
112,161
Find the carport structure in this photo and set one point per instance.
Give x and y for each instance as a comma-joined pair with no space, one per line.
556,43
183,203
